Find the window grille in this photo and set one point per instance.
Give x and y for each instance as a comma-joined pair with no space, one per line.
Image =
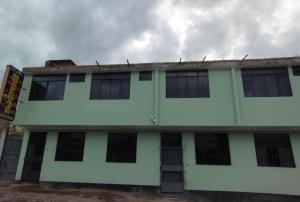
212,149
121,147
70,146
274,150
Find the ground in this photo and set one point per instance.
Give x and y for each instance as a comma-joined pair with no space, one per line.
23,192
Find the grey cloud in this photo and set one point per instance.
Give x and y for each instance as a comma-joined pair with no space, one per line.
33,31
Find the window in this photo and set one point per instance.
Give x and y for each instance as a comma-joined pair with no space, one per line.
47,87
77,78
145,75
121,147
266,82
110,86
274,150
70,146
296,70
212,149
187,84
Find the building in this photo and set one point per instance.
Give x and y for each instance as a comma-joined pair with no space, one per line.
227,125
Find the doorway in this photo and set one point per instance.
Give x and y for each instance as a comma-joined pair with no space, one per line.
34,157
171,169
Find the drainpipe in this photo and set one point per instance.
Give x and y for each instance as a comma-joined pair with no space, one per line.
156,99
236,100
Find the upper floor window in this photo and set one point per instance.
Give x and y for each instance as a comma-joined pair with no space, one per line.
47,87
187,84
110,86
121,147
77,77
274,150
296,70
70,146
145,75
212,149
266,82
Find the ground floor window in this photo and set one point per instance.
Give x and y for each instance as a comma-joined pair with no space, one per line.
274,150
70,146
212,149
121,147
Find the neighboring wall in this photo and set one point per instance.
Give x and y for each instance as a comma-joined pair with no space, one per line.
226,105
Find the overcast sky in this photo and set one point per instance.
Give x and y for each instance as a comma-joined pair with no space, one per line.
32,31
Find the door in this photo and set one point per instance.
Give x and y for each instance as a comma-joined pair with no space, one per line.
171,174
10,157
34,157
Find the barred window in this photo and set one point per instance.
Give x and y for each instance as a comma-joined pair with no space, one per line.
110,86
121,147
266,82
274,150
212,149
47,87
77,77
70,146
187,84
296,70
145,75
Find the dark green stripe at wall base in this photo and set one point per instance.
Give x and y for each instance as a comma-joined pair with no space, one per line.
187,195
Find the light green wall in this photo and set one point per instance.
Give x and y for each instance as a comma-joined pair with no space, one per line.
94,168
224,107
243,174
217,110
77,109
271,111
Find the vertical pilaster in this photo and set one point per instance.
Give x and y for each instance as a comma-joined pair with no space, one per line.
236,100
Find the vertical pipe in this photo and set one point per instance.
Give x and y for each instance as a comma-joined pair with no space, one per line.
156,97
236,100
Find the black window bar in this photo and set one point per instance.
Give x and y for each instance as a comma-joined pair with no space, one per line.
212,149
77,78
121,147
274,150
266,82
110,86
70,146
187,84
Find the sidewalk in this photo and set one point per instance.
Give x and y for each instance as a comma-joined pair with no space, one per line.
25,192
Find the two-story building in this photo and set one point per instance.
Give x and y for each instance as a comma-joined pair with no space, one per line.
226,125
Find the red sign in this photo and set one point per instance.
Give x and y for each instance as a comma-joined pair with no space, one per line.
10,91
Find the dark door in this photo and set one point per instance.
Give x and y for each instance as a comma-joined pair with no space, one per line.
34,157
171,176
10,157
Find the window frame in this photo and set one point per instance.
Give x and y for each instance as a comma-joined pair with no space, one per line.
77,78
60,146
279,75
125,77
289,145
113,155
201,75
145,75
47,79
224,151
296,70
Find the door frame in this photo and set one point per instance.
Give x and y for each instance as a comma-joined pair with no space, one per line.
166,187
43,136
